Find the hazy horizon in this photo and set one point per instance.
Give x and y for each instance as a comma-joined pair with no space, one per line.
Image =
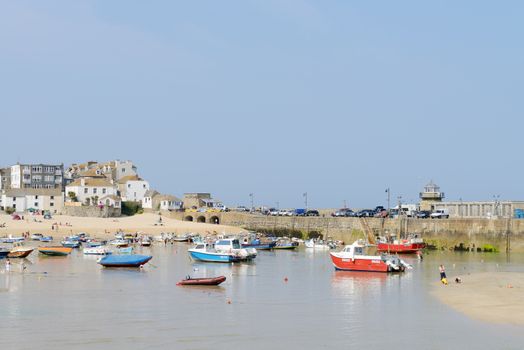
276,98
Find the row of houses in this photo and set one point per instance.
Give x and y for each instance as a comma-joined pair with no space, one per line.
51,187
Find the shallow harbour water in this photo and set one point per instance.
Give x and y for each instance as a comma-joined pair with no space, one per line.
73,303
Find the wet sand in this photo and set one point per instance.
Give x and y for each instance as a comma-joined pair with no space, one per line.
106,227
495,297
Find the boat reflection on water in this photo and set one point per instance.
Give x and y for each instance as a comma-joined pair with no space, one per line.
354,283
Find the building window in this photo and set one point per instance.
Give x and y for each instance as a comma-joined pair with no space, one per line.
51,204
36,204
85,190
36,197
52,197
103,191
94,190
144,185
123,170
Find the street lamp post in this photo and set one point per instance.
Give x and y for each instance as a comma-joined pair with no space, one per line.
252,205
305,199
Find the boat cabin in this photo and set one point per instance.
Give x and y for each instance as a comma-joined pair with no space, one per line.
228,243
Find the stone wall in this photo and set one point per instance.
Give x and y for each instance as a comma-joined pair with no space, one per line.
90,211
442,233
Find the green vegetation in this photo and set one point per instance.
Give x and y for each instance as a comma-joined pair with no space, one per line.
131,208
72,196
9,210
488,248
314,234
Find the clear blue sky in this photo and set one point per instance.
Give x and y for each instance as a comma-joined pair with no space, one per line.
341,99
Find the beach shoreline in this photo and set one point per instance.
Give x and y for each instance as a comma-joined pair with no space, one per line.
494,297
105,228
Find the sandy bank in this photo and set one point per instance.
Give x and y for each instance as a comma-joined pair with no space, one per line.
106,227
493,297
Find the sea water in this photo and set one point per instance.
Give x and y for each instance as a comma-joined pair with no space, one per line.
281,300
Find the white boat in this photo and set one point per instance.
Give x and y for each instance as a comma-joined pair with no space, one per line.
317,245
119,243
101,250
11,239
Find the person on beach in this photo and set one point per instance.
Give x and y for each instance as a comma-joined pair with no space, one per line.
7,265
442,271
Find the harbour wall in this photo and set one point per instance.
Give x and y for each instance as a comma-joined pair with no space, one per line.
456,233
92,211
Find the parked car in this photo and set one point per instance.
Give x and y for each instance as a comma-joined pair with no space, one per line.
312,213
272,212
350,213
422,214
381,214
341,212
440,214
366,213
379,209
299,212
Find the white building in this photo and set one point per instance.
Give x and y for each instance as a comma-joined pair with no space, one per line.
89,190
132,188
147,201
156,201
21,200
111,201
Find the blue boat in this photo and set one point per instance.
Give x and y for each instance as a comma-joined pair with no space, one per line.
46,238
70,243
4,252
259,245
124,260
224,251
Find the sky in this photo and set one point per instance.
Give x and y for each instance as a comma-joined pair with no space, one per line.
339,99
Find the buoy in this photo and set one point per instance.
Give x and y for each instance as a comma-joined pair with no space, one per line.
285,279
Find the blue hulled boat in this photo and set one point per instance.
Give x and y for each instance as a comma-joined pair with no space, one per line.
70,243
259,245
133,260
224,250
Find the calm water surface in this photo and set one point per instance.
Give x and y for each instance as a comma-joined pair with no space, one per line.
74,303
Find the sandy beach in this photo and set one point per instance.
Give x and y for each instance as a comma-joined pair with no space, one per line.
495,297
106,227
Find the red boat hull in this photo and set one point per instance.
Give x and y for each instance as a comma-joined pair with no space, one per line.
410,248
215,281
372,265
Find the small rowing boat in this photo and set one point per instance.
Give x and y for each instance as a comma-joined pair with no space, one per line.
213,281
55,251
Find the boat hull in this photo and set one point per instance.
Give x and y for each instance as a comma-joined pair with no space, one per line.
215,281
366,265
285,247
124,260
261,246
55,251
400,248
19,253
212,257
3,253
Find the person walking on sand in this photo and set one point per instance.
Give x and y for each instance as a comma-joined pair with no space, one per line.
7,265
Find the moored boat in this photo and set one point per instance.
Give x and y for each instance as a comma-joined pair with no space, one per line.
286,245
19,251
11,239
120,243
124,260
3,252
55,251
46,239
224,251
352,258
316,244
212,281
410,245
69,243
99,250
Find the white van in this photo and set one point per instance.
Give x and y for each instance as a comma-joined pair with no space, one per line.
407,210
440,214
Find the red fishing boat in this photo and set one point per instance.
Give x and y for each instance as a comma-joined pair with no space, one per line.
352,258
213,281
410,245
